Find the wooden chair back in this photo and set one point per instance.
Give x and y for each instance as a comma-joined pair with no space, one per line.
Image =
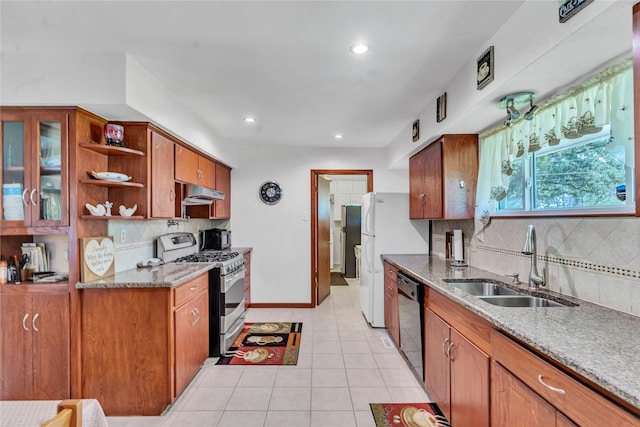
69,415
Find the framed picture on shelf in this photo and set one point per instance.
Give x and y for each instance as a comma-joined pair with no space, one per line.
485,68
441,107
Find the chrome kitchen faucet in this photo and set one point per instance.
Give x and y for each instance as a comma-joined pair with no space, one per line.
535,279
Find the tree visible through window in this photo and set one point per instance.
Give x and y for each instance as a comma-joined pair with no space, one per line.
574,175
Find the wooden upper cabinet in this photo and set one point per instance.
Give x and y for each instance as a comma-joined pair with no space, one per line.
207,170
34,159
192,168
163,193
222,208
443,177
186,165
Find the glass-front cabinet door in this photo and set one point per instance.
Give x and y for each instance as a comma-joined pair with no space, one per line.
34,168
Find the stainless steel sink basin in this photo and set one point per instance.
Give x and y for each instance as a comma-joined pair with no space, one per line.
520,301
484,288
504,296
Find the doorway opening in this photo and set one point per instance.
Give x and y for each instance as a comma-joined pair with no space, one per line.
326,219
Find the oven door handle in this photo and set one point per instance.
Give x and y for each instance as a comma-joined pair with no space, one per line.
240,326
231,317
231,279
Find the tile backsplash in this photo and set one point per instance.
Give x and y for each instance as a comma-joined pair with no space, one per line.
140,237
593,259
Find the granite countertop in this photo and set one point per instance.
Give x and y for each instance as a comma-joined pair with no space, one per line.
596,342
161,276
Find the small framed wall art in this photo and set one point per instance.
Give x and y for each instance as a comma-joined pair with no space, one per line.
441,107
485,68
415,131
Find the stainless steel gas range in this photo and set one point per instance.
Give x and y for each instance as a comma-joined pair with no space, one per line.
226,286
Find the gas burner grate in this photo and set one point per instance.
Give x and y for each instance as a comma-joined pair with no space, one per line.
208,257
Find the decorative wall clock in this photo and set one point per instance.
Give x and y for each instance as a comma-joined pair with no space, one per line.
270,192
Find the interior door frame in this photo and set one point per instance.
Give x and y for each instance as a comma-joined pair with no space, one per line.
315,173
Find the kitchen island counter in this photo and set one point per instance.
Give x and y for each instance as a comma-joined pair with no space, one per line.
596,342
161,276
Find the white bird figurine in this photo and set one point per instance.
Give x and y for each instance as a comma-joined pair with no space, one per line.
97,210
124,211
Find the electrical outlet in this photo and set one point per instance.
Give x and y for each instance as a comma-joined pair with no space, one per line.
123,236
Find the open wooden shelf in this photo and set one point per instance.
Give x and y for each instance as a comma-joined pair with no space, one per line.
112,150
112,217
104,183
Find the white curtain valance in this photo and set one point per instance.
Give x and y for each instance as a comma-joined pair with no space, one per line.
605,98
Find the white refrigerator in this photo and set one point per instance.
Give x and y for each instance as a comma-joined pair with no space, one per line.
386,229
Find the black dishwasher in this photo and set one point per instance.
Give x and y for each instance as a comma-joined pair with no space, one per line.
411,314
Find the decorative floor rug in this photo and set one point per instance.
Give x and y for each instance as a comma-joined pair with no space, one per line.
338,280
265,343
408,415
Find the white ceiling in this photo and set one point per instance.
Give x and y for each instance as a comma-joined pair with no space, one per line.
288,62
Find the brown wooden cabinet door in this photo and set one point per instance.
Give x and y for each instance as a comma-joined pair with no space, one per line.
50,328
459,175
515,404
433,181
436,363
192,339
391,320
163,193
416,186
207,170
469,383
35,346
16,367
222,208
562,421
186,165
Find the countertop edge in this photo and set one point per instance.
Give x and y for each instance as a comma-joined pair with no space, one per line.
155,277
492,314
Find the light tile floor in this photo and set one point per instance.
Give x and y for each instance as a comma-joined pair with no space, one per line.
343,366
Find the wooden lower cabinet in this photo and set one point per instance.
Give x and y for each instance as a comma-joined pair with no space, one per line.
141,346
529,391
456,373
391,316
34,350
191,324
515,404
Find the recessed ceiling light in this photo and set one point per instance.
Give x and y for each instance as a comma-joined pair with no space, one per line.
250,119
338,136
360,49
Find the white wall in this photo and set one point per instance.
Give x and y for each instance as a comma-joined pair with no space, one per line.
279,234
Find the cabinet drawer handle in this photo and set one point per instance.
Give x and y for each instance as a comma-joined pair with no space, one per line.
33,193
193,288
449,348
24,322
557,390
33,322
444,343
24,194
